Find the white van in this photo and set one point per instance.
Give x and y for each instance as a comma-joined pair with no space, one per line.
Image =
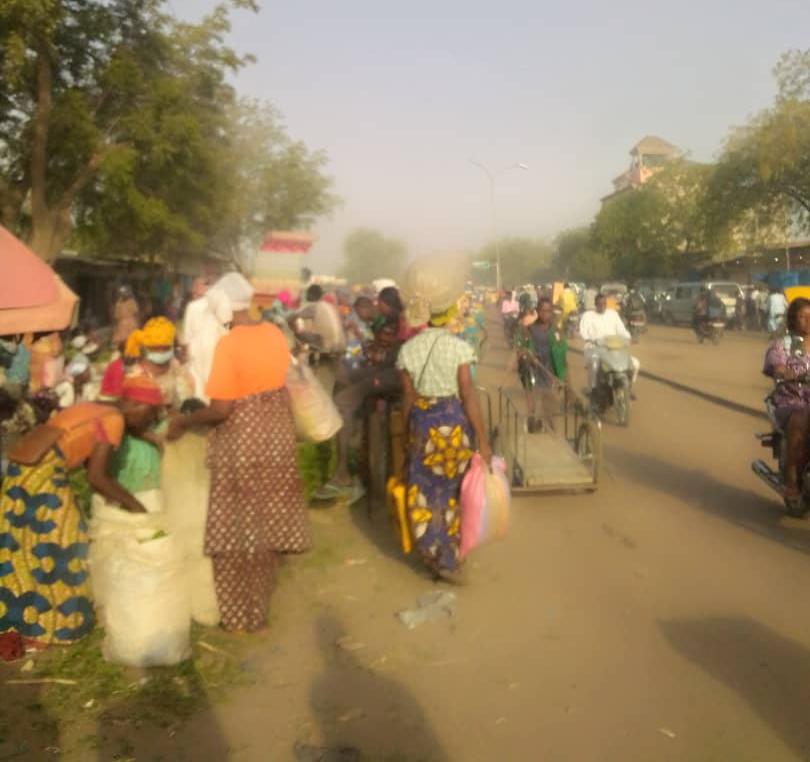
679,305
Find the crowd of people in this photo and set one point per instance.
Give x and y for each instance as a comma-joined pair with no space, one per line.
108,404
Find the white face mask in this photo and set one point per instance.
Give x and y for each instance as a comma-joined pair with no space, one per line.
160,358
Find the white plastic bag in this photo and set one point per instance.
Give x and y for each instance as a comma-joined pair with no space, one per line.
185,479
316,417
147,613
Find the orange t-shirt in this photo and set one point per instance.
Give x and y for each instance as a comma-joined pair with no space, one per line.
248,360
85,424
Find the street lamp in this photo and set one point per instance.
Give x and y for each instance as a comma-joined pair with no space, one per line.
491,176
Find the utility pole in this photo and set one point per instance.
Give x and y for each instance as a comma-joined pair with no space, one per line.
491,176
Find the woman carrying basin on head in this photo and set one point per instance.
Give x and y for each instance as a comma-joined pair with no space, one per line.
441,408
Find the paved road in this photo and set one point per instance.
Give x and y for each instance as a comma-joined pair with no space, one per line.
662,618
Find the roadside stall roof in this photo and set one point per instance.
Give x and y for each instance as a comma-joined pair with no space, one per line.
32,296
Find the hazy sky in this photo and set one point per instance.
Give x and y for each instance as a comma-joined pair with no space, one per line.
402,94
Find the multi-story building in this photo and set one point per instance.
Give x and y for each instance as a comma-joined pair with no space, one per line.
646,158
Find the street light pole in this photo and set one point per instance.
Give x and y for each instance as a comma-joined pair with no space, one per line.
493,210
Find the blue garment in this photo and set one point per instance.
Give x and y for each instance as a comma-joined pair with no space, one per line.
440,452
18,371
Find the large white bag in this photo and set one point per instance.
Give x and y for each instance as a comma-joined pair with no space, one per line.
139,584
147,620
316,417
109,526
185,479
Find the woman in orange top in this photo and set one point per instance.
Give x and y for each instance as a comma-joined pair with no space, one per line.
44,588
256,508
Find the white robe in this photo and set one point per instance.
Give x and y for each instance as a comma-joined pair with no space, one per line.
202,331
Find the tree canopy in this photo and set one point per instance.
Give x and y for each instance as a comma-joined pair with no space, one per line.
575,258
120,133
763,175
368,254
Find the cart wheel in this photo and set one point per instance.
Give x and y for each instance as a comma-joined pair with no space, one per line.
584,444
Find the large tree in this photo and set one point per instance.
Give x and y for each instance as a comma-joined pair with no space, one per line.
575,258
368,254
646,231
279,184
119,131
111,118
762,179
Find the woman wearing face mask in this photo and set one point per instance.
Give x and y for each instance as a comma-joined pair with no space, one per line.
149,354
152,348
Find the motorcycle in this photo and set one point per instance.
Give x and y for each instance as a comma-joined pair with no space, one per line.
613,378
636,324
711,329
776,442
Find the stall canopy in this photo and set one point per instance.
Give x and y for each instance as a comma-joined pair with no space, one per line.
33,297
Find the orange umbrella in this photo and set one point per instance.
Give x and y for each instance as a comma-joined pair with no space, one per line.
33,297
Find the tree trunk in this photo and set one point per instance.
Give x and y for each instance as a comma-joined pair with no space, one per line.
51,230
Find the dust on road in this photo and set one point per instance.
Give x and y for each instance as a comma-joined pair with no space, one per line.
660,618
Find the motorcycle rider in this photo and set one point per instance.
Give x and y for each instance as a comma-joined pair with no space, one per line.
599,324
566,303
540,346
788,359
510,308
634,302
708,307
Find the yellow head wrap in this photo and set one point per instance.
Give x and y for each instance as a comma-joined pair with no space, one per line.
158,332
443,318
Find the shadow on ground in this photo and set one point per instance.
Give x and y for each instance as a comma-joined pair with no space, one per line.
377,525
768,671
743,507
361,714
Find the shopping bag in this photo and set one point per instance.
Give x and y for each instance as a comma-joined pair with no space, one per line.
485,503
316,417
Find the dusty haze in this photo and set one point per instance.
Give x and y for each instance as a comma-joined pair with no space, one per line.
402,98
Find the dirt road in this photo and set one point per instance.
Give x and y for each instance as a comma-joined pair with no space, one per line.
661,618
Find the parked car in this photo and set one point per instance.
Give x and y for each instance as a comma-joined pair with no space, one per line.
679,304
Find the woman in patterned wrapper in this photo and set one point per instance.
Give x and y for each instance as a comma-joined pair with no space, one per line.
444,420
44,586
256,508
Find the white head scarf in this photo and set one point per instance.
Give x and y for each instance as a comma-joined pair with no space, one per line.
236,289
219,305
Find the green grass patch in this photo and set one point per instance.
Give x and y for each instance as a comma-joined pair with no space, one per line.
162,696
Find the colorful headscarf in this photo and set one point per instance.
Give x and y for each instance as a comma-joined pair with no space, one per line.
141,389
158,332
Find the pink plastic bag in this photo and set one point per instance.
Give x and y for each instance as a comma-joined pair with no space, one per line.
485,503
